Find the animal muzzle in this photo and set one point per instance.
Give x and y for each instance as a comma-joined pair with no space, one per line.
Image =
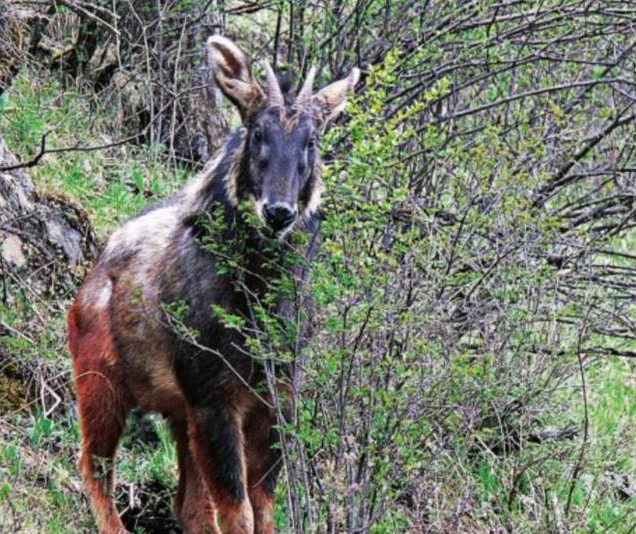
279,216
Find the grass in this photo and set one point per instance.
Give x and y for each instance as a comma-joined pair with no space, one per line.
40,491
600,500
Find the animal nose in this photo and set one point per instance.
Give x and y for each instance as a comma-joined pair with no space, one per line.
279,216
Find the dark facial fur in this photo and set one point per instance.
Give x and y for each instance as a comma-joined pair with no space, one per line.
278,171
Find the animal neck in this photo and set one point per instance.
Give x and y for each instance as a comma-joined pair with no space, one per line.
218,181
229,234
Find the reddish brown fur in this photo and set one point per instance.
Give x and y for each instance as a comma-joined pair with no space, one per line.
258,424
193,504
103,404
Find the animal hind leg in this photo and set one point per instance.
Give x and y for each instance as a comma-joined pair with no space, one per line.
193,505
102,409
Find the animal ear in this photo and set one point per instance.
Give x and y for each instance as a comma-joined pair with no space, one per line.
233,74
327,103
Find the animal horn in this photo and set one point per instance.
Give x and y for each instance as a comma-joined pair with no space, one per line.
274,94
307,89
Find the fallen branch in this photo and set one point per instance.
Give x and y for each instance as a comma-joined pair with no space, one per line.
77,148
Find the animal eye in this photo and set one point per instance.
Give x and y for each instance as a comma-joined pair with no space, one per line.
311,144
257,136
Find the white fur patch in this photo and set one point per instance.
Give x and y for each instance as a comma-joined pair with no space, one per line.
97,293
258,207
314,200
266,518
149,233
104,295
195,187
280,237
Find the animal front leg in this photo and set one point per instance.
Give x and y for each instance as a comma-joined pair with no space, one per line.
264,461
216,441
193,505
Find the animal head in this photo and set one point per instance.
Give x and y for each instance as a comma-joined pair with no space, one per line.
280,166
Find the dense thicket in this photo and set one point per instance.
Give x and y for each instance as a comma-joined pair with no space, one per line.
478,272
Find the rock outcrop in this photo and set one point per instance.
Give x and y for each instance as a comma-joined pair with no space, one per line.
46,241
